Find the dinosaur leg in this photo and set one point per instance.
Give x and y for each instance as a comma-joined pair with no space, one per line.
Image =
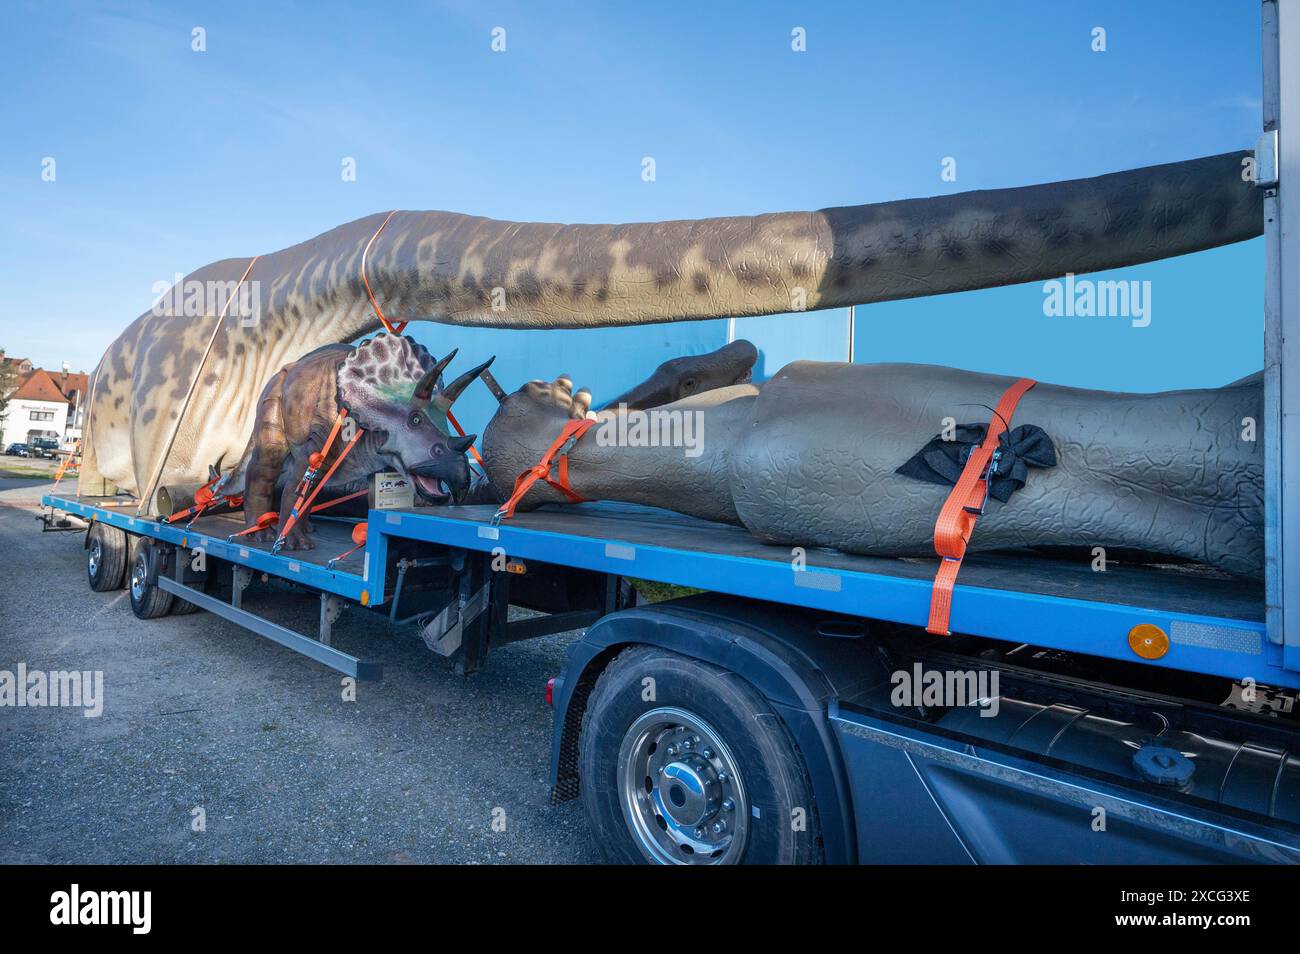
299,536
270,448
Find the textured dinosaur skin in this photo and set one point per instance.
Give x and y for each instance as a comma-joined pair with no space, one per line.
443,267
810,459
379,383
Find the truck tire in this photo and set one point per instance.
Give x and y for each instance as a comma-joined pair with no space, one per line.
148,600
692,768
106,553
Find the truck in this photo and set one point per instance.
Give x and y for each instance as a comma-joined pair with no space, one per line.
797,711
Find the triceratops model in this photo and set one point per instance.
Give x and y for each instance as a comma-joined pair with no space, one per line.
392,390
178,388
854,457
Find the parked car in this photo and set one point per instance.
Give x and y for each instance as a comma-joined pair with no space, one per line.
44,447
17,450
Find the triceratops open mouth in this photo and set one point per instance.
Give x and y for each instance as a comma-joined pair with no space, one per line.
441,483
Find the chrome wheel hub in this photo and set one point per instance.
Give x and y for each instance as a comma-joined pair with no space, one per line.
139,578
96,554
682,796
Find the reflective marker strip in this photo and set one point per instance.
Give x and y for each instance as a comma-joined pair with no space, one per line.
1230,639
830,582
620,551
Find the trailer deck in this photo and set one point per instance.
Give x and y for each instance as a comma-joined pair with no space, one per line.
333,537
1215,623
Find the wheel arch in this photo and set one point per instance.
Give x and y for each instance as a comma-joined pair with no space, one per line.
785,670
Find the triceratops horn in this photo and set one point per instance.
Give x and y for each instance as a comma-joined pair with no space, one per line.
447,396
461,444
429,381
214,470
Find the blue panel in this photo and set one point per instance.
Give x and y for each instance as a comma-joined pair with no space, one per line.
806,336
1205,329
606,361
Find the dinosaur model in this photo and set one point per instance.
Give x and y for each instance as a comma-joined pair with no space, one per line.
392,389
179,387
855,457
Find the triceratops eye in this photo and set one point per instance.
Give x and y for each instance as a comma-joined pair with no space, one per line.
416,419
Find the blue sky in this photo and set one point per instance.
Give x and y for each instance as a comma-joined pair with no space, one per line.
168,159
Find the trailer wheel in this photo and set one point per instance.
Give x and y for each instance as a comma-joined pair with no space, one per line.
106,552
692,767
148,600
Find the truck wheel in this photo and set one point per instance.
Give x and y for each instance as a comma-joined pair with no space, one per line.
106,551
703,773
148,600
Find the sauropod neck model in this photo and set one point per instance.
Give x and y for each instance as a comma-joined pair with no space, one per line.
467,270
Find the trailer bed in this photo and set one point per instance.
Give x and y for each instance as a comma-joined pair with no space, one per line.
1215,623
333,537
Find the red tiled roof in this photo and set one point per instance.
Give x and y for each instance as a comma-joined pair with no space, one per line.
75,381
39,386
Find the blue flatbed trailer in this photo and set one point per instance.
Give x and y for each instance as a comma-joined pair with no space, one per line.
819,639
797,711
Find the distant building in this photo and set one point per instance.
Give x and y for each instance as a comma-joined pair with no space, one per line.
43,404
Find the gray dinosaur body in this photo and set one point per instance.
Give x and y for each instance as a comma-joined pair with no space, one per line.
812,458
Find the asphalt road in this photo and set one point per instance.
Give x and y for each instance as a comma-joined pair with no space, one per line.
199,714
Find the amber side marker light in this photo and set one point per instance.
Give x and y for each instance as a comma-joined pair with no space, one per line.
1148,641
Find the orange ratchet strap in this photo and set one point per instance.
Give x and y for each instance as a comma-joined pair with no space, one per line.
965,504
305,492
265,522
358,537
392,328
461,431
338,500
542,469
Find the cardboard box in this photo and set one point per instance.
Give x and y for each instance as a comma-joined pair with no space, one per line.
390,490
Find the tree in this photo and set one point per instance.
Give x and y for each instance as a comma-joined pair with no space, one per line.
8,382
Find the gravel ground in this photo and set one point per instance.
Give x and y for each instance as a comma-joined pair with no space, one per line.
199,714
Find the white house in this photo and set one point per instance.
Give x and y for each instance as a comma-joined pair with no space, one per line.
38,407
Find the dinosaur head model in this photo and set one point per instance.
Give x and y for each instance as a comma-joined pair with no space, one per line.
683,376
178,388
392,388
391,385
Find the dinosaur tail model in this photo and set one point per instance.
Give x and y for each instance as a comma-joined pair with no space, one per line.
460,269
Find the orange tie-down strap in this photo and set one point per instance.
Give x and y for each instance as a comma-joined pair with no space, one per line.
956,523
542,469
392,327
306,493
